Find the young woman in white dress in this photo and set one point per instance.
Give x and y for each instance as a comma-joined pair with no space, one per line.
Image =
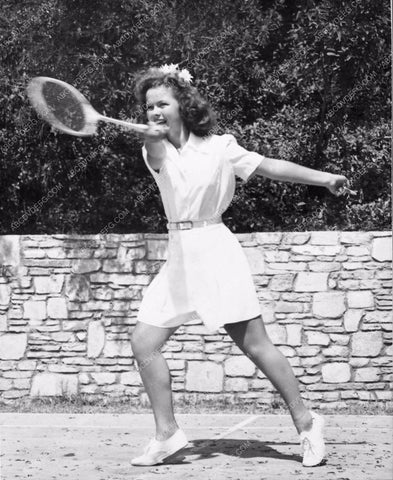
206,273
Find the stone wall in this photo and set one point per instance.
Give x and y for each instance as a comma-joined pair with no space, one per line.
68,304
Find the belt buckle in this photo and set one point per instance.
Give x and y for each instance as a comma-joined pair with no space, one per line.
183,226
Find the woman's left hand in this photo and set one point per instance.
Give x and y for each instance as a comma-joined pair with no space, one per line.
338,184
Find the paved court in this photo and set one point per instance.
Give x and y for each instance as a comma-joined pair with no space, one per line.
221,446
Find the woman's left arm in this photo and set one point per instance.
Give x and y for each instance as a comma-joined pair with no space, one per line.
285,171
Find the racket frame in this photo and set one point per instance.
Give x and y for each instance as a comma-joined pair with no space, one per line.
92,117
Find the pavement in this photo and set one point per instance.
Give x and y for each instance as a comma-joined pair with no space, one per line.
221,446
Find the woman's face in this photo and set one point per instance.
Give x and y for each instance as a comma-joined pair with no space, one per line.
163,108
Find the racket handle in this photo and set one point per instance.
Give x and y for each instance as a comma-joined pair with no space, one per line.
136,127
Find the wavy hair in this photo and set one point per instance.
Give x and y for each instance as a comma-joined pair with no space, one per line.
195,111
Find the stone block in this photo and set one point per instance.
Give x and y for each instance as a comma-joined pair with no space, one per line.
54,384
289,307
120,279
27,365
336,351
55,253
328,304
267,312
367,344
117,348
34,253
34,310
337,372
5,384
126,253
78,288
104,378
355,238
268,238
3,323
324,266
308,351
363,299
357,251
382,249
46,284
277,333
276,256
176,364
236,384
380,317
61,368
131,378
157,249
340,339
358,361
57,308
149,267
352,319
311,282
317,250
317,338
294,238
282,282
276,267
369,374
324,238
5,294
239,366
13,346
62,337
204,377
294,335
81,266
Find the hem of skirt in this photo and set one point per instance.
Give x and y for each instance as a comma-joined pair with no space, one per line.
245,319
177,321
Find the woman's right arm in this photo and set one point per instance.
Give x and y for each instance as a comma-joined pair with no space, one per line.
156,152
154,145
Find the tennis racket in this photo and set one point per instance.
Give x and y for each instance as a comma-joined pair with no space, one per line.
67,110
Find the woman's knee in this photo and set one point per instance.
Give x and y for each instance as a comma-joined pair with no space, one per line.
146,341
141,346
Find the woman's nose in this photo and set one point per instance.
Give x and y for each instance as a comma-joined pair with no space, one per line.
156,111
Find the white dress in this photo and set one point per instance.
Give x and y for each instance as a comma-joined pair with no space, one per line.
206,274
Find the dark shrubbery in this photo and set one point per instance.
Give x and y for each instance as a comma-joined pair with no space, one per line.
305,81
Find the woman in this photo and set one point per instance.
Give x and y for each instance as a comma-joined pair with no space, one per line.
206,273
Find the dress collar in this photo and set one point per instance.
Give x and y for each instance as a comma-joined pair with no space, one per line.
200,144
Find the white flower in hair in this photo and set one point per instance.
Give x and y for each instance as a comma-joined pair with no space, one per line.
172,68
185,75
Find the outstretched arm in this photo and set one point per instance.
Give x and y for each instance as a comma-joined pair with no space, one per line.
285,171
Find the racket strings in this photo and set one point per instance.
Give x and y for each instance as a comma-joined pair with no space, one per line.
64,106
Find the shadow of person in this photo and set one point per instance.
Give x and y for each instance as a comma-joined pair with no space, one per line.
233,447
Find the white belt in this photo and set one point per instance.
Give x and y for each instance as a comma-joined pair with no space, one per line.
188,224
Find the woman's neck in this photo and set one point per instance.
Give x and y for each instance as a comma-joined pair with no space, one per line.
179,138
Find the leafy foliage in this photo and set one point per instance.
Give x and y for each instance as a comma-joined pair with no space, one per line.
306,81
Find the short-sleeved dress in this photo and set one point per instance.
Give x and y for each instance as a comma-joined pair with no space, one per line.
206,274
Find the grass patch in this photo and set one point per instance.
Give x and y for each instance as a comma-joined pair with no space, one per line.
86,405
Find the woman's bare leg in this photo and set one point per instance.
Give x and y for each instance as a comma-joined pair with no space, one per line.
252,338
147,341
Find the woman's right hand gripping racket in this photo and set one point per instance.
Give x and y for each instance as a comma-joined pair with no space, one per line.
67,110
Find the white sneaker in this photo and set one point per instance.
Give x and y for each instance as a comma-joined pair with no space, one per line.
156,451
312,442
